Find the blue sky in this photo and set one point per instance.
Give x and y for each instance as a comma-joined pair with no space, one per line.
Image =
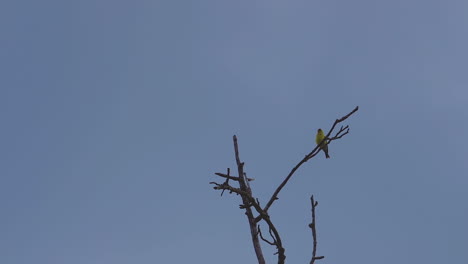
116,114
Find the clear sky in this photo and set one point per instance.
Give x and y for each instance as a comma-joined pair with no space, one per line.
115,115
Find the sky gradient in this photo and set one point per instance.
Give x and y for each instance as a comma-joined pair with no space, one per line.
116,115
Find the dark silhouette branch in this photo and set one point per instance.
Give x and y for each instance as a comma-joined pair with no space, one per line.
227,179
264,239
314,152
249,202
234,178
314,232
225,186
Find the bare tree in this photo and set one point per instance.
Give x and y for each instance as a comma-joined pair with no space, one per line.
256,214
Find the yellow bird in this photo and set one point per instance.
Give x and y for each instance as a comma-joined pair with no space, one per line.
320,136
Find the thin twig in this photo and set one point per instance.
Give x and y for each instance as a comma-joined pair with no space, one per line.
227,179
228,187
314,232
234,178
264,239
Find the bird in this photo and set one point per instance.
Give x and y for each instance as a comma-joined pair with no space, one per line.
324,146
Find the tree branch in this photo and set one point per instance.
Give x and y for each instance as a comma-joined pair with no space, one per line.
248,201
234,178
307,157
314,232
246,204
264,239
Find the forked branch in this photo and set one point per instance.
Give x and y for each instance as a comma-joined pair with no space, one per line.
249,201
315,151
